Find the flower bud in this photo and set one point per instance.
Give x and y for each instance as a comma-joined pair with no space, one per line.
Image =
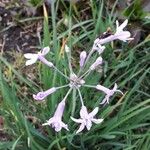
82,58
41,95
98,61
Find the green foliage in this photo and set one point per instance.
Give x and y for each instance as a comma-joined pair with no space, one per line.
135,10
36,3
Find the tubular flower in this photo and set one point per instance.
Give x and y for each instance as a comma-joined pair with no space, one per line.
82,58
56,120
108,92
41,95
86,119
119,34
98,61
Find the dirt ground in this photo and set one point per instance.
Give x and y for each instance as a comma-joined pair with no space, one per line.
15,32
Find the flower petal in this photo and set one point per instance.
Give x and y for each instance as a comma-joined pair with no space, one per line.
82,126
115,87
117,24
123,25
102,88
104,100
94,112
100,48
77,120
57,127
45,50
119,91
65,126
31,61
124,35
49,122
88,124
84,112
30,55
97,121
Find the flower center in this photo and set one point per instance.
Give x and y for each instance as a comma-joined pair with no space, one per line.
76,82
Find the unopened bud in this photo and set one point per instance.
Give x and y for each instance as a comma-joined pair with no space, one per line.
98,61
82,58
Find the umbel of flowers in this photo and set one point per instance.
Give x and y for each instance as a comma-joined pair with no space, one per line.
76,81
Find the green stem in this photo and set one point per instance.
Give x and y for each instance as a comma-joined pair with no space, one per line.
56,69
89,86
73,102
81,99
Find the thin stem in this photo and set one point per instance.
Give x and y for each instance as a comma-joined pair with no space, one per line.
79,71
89,86
81,99
84,73
70,32
60,87
87,75
55,68
73,102
45,61
69,61
88,57
107,39
67,94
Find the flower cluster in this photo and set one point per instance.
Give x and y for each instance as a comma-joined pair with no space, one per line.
76,81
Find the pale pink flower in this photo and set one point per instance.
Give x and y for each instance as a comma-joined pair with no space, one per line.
82,58
87,119
98,61
56,120
32,58
108,92
119,34
41,95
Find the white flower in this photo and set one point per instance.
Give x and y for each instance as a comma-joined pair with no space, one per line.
56,120
108,92
32,58
87,119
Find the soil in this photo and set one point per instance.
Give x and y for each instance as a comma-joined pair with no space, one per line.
17,36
